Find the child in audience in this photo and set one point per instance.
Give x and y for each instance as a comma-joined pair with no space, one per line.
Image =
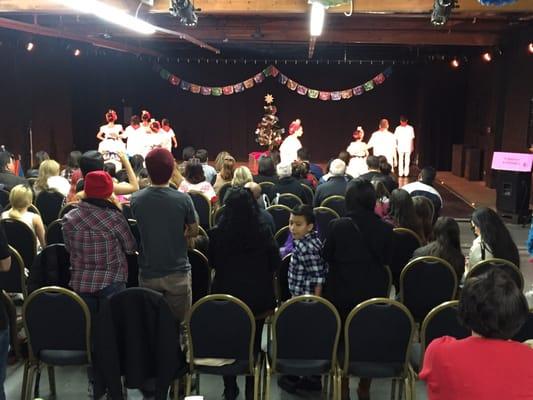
382,199
20,199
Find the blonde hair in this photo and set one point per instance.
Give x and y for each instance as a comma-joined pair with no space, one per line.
47,169
20,199
228,168
241,176
219,161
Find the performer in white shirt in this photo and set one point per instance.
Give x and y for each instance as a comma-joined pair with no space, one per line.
111,137
169,137
146,119
358,150
404,134
290,146
134,134
384,143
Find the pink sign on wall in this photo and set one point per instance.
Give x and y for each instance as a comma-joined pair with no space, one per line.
519,162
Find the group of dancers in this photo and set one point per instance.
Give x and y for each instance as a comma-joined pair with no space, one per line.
396,147
142,135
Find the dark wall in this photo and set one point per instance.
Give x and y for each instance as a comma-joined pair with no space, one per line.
66,98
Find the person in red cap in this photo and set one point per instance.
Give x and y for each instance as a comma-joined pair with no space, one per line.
98,237
166,219
290,146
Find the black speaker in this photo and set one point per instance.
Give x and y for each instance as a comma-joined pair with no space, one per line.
512,192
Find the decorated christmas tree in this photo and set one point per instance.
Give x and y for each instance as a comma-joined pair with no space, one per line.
268,132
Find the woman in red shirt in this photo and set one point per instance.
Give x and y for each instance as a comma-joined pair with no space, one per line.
487,365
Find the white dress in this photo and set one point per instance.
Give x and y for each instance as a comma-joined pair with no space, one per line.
111,144
357,166
288,151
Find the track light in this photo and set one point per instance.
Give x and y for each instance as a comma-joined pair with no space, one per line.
455,63
184,10
318,14
77,53
442,10
30,46
487,57
530,48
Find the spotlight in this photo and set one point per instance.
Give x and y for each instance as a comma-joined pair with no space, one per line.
442,10
487,57
455,63
30,46
318,13
530,48
77,53
185,11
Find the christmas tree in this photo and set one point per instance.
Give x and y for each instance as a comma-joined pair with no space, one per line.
268,132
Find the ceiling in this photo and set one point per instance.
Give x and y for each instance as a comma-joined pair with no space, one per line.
273,27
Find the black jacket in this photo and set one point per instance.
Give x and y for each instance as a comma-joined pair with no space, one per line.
9,180
290,185
136,336
336,185
354,256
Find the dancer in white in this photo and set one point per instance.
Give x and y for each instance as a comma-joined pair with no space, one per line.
169,137
404,135
290,146
358,150
146,118
111,137
133,133
384,143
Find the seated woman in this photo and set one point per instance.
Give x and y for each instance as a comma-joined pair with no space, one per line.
493,239
487,365
402,212
424,211
447,245
244,256
382,199
241,177
20,199
225,175
266,170
49,179
195,180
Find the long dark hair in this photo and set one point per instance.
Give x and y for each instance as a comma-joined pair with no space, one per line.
402,211
447,235
240,223
496,235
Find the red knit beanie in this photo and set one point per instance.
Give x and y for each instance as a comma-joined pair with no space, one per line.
160,165
98,185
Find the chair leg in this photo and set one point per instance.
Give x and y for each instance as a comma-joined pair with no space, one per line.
393,389
37,381
24,380
197,384
400,388
52,381
267,379
188,383
29,382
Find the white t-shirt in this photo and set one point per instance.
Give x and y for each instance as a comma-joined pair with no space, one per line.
133,146
404,138
384,144
111,132
59,183
288,151
357,149
166,138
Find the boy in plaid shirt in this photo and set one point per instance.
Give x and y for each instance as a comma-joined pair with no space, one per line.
307,269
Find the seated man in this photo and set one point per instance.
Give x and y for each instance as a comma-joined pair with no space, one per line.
336,184
303,155
209,172
8,179
287,183
424,187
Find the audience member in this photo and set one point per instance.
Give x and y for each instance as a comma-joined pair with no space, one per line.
300,172
447,245
209,172
487,365
344,156
374,173
382,199
241,176
388,180
166,219
265,218
195,180
304,156
111,169
424,211
176,178
225,175
40,156
73,166
49,179
144,179
287,183
266,170
20,199
188,153
8,179
424,187
245,257
5,266
219,160
137,163
336,184
402,212
355,249
493,239
98,237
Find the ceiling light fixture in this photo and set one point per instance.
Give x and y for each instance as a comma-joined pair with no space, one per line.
111,14
455,63
487,57
530,48
442,9
77,53
30,46
184,10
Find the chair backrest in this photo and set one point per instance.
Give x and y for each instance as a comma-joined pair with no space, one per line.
217,215
222,192
336,203
201,274
323,216
202,232
54,232
441,321
281,215
55,263
289,199
203,208
21,237
486,265
309,194
14,280
134,227
526,331
281,279
378,330
305,328
49,203
4,198
404,244
56,319
221,326
281,236
426,282
126,211
268,189
66,208
31,208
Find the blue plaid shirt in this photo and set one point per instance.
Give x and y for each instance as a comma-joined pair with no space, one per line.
307,268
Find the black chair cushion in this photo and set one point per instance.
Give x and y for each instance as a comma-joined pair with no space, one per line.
303,367
239,367
63,357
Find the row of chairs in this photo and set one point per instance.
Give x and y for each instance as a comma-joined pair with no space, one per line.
47,204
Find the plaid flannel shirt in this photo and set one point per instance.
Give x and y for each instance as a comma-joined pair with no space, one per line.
97,239
307,268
